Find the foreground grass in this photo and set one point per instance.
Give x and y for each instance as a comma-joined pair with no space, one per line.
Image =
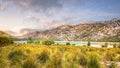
58,56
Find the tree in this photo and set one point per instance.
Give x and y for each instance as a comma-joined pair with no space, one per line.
114,46
68,43
30,40
4,41
37,41
88,44
47,42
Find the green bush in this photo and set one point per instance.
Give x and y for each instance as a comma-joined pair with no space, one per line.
114,46
68,43
30,40
30,63
83,60
4,41
16,56
37,41
93,61
58,44
43,56
47,42
88,44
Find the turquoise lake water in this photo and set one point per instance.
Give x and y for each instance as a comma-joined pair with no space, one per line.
77,43
71,42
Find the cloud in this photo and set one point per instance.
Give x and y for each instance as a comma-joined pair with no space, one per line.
3,7
31,18
34,5
42,24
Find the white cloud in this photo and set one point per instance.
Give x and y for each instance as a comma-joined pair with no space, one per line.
42,23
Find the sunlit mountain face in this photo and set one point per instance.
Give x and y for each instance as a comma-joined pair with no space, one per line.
19,17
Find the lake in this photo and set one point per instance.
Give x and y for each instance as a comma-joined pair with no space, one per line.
76,43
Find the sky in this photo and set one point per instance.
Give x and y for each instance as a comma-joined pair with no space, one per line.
16,15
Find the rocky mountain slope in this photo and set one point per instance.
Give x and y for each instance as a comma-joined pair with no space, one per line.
96,31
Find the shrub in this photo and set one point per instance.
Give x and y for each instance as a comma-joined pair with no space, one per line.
113,65
105,45
83,60
73,44
58,44
16,56
3,63
4,41
55,61
114,46
117,58
88,44
37,41
47,42
70,57
57,56
110,56
43,57
30,40
93,61
119,46
68,43
30,63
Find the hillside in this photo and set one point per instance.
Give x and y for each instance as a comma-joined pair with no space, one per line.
3,34
96,31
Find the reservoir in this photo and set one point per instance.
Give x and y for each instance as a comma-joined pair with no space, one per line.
76,43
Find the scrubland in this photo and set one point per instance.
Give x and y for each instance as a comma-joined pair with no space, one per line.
58,56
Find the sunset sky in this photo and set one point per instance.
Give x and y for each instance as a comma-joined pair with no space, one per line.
45,14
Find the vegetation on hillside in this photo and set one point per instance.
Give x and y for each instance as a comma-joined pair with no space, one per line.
3,34
110,39
4,41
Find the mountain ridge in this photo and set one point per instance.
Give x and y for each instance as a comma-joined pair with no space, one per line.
82,32
95,31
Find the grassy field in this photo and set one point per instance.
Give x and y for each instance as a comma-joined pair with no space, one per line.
58,56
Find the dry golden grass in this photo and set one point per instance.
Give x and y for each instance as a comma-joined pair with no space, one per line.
56,56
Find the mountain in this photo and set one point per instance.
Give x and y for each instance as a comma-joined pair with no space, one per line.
95,31
3,34
8,35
